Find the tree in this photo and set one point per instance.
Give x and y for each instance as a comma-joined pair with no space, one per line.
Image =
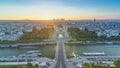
35,30
13,66
86,29
117,63
36,66
60,26
86,65
29,65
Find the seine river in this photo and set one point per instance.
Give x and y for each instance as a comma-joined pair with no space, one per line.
46,51
112,50
49,50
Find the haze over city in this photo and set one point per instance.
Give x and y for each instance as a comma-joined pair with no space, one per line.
59,33
57,9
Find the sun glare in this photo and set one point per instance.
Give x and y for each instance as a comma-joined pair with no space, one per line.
47,17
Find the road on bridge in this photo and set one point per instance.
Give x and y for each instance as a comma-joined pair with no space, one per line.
61,55
60,38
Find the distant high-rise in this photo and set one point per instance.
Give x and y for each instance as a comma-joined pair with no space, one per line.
94,20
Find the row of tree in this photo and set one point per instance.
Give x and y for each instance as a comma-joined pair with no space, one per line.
34,36
86,35
82,35
28,65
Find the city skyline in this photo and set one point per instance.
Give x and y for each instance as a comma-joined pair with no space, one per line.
57,9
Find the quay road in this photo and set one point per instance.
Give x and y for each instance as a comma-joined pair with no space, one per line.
26,44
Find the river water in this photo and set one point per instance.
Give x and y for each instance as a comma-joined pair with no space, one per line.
46,50
49,50
111,50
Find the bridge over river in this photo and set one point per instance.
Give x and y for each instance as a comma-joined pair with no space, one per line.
60,36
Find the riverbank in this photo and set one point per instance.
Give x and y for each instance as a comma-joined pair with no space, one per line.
93,42
41,62
101,61
37,44
26,44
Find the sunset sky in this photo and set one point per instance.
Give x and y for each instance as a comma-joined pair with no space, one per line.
56,9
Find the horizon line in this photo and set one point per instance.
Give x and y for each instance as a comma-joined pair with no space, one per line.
65,19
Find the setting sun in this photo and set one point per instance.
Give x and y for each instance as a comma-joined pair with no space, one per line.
47,17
